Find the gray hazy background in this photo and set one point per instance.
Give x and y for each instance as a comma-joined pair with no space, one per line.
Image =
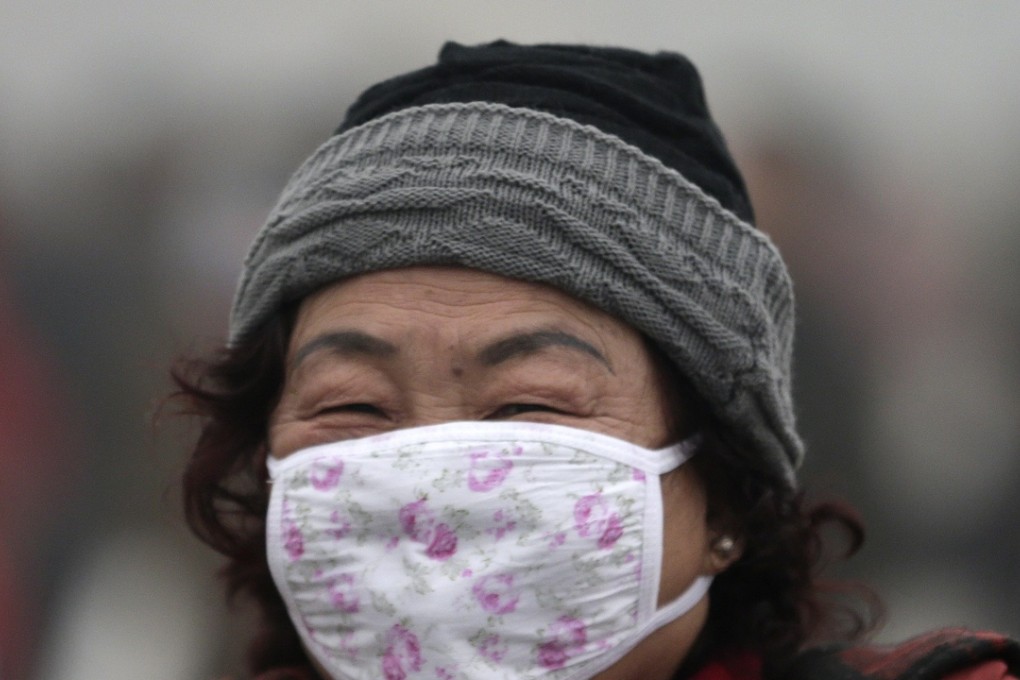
142,143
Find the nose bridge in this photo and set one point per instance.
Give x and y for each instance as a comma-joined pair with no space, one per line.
421,417
439,388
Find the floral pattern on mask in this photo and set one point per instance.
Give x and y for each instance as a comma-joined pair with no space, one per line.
453,558
495,593
488,471
567,638
420,525
594,517
402,655
343,594
325,475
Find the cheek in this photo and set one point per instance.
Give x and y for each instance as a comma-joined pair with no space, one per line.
685,533
285,434
290,430
647,401
642,421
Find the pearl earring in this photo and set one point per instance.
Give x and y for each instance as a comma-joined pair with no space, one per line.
724,545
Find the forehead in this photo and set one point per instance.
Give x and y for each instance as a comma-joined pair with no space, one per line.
419,298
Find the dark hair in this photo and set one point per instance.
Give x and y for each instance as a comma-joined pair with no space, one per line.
774,599
771,601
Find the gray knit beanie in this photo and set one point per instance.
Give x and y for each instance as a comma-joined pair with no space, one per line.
535,195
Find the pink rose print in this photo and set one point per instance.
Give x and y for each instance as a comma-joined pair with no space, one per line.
503,525
419,523
343,525
392,670
593,518
496,593
551,655
293,541
325,475
589,512
343,595
492,648
567,638
403,653
639,475
443,545
612,533
486,473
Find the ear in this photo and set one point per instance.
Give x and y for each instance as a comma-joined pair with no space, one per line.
723,549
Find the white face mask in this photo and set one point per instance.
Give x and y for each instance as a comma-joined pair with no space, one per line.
473,550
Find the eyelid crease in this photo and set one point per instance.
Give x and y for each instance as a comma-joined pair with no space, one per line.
567,397
336,384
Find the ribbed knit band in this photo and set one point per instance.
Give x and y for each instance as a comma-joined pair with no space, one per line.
532,196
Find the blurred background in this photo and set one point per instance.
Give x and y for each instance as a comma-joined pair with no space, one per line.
142,143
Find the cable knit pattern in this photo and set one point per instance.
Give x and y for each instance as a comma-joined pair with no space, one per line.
532,196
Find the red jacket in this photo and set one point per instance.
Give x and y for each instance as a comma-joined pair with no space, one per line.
949,654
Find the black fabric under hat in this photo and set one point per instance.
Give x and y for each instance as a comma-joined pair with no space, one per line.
653,101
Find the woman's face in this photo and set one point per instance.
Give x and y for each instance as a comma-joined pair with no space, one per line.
425,345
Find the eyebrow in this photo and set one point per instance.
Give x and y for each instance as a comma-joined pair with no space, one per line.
345,343
524,344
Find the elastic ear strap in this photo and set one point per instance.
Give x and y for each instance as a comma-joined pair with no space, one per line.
681,605
672,611
272,464
672,457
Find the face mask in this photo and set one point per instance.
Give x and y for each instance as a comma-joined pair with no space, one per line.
473,550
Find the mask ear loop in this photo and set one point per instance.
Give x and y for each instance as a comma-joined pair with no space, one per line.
699,587
681,605
678,454
671,458
272,465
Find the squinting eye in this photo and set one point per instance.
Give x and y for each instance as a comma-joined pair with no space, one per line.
511,410
367,409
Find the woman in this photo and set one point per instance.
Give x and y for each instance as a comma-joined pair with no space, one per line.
507,396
